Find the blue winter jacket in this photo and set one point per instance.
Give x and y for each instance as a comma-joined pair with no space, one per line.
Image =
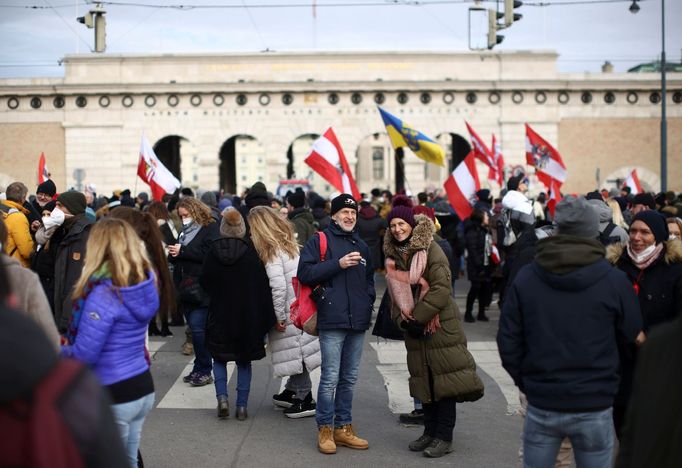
348,298
112,330
560,324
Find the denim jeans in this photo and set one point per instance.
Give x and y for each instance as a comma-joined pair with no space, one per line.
196,318
129,418
243,380
300,384
591,434
341,352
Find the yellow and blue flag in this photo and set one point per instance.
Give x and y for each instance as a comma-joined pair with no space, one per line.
401,134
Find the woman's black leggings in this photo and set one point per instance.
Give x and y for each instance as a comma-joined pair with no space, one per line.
480,290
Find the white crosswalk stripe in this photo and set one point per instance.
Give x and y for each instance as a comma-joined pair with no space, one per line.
183,395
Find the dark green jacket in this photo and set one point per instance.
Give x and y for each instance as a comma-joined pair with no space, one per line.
445,352
303,220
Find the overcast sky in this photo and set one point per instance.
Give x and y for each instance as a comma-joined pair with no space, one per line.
33,40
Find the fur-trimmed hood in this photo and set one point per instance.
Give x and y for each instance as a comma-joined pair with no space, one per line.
422,236
672,252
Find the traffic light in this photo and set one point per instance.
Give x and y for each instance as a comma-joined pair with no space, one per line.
493,27
509,15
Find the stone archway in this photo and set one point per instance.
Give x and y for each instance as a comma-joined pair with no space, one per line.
650,181
179,156
242,163
296,154
375,163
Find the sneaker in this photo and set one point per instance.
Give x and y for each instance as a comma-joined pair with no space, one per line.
422,443
345,436
438,448
188,377
187,348
415,417
223,407
301,408
284,399
199,380
325,440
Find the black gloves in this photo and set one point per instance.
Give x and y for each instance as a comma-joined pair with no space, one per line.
414,329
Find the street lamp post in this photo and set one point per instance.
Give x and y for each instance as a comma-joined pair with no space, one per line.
634,8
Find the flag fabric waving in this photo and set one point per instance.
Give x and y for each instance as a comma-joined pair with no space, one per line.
43,172
632,181
462,185
401,134
499,162
327,159
482,152
546,160
154,173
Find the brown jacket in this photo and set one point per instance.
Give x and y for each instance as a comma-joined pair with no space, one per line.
445,352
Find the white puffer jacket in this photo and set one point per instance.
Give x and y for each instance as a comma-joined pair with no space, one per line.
291,348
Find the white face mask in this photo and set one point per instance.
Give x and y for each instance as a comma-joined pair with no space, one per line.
187,221
673,236
56,218
644,253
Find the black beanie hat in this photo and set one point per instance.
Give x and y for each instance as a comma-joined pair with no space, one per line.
343,201
48,188
73,201
594,196
656,223
645,199
296,199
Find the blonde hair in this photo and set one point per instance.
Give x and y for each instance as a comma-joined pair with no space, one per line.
114,242
617,218
271,234
200,213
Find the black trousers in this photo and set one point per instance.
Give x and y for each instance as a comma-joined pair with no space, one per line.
482,291
440,418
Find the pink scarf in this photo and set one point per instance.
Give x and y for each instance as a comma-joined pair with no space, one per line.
643,263
400,288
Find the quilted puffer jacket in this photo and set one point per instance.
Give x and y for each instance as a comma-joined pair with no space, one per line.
112,330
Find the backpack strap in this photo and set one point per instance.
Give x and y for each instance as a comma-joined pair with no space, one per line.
609,229
323,245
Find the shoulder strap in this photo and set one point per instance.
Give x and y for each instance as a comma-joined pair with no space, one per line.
323,245
609,229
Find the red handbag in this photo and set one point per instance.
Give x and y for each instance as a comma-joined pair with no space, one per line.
303,311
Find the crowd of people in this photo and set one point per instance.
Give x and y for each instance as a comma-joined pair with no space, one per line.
582,288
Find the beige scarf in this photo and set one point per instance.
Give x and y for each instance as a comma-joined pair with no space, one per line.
400,288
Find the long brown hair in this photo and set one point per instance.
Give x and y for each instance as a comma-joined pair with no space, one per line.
271,234
148,231
113,241
197,210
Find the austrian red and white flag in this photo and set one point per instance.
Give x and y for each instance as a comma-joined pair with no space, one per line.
554,196
546,160
499,163
462,186
327,159
481,151
632,181
43,172
154,173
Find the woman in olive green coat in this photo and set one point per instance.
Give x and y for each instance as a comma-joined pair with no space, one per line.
442,371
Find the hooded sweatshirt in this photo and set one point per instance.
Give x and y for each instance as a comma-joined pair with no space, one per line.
560,323
605,217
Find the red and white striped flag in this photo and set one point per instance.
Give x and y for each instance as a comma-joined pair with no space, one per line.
632,181
154,173
43,172
499,162
549,167
481,151
327,159
462,186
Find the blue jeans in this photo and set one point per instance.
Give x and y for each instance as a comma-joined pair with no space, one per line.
243,380
129,418
591,434
196,318
341,352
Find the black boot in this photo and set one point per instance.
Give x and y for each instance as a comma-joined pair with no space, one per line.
481,317
468,317
165,331
154,329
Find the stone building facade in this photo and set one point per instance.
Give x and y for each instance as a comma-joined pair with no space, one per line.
230,120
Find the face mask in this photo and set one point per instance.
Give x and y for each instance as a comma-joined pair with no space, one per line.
673,236
56,218
187,221
644,253
41,204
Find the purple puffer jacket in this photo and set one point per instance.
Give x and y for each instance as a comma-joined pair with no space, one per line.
112,330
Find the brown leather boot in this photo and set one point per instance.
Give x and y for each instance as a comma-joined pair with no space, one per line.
325,440
345,436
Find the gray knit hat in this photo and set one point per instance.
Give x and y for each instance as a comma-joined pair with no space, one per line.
575,217
232,224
